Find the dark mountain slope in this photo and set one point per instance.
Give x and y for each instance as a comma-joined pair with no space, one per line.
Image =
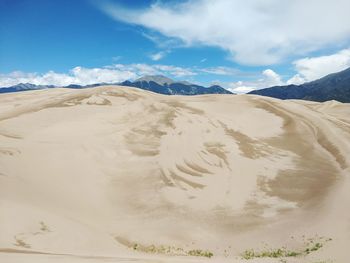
334,86
158,84
163,85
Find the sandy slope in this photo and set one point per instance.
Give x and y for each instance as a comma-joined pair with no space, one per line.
85,175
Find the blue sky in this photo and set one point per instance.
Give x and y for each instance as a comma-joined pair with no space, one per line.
239,45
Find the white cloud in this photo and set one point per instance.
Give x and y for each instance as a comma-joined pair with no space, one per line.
271,78
85,76
78,75
158,69
121,72
49,78
226,71
157,56
314,68
296,80
241,89
175,71
139,69
267,79
99,75
163,41
254,32
308,69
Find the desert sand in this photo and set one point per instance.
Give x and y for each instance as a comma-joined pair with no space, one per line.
118,174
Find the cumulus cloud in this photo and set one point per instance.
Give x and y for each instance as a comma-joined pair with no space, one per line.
85,76
254,32
121,72
296,80
316,67
308,69
266,79
239,88
49,78
271,78
78,75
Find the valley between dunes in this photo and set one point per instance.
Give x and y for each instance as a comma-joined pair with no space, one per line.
118,174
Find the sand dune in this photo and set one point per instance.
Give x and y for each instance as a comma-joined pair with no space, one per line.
114,174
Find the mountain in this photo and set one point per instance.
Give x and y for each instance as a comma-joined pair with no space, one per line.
157,83
24,87
159,79
334,86
29,86
164,85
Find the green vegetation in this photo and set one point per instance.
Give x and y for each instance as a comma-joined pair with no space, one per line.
200,253
273,253
314,247
171,250
312,244
21,243
44,227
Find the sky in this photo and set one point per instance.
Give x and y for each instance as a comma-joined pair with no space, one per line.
240,45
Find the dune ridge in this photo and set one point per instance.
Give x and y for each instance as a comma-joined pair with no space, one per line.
90,174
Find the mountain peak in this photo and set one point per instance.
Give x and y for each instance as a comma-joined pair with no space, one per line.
159,79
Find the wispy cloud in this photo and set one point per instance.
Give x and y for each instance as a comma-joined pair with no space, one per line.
116,58
254,32
226,71
158,56
162,41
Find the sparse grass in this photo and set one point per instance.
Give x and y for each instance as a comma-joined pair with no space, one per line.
171,250
200,253
273,253
312,244
44,227
21,243
314,247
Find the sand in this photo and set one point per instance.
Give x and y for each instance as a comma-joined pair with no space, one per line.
118,174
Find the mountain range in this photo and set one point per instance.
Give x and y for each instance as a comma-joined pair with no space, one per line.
334,86
164,85
157,83
24,87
